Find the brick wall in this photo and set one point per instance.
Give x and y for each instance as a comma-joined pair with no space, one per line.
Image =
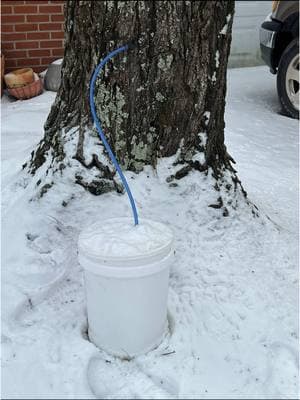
31,33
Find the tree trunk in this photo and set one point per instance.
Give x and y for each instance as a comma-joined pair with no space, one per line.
164,97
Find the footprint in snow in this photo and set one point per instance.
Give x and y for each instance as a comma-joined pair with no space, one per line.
115,378
282,371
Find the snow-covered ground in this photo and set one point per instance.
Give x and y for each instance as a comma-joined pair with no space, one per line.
233,299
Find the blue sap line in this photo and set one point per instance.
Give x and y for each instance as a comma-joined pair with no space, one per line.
100,131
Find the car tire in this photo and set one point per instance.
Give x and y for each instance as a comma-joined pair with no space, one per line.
287,87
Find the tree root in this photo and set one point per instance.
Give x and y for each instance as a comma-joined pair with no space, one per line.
104,169
100,186
219,204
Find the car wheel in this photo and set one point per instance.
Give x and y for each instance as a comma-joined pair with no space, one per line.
288,79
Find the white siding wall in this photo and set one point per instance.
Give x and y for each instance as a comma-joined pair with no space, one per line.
249,15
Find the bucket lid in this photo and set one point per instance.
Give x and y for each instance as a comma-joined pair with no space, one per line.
117,242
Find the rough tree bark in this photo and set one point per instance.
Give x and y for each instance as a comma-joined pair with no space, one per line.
165,97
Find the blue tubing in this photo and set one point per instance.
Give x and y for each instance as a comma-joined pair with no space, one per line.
101,134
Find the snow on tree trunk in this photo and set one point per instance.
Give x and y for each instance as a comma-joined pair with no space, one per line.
164,97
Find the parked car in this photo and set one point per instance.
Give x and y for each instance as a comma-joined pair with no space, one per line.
279,43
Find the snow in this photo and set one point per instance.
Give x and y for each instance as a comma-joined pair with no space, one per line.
217,58
120,239
58,62
233,297
207,117
225,27
223,31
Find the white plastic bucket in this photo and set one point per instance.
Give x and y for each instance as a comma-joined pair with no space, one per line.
126,276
